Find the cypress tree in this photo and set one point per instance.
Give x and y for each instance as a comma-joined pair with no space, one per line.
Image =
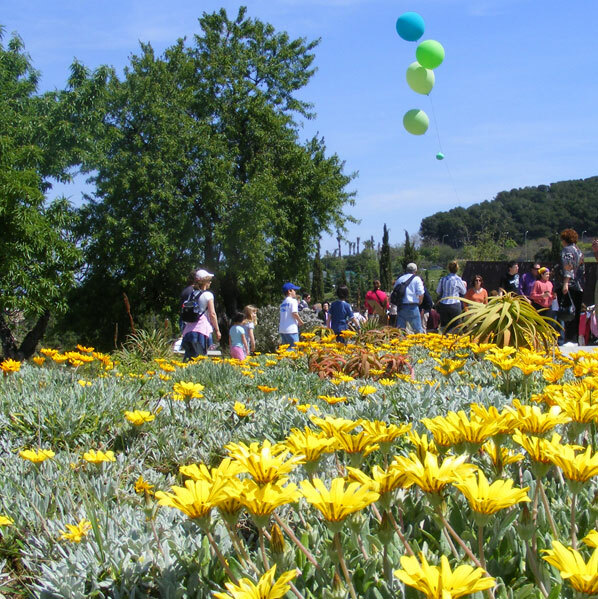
385,262
409,253
317,281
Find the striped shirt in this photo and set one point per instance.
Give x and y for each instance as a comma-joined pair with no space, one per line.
451,286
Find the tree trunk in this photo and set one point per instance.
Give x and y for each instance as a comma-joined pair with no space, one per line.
9,343
34,336
29,344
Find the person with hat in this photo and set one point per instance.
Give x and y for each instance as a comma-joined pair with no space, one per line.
290,321
196,335
408,310
542,293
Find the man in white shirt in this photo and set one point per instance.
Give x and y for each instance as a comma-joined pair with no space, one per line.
408,311
290,321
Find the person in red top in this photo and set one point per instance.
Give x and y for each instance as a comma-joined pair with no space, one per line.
376,302
542,292
476,291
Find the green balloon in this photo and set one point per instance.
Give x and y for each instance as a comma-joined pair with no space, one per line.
416,121
419,79
430,54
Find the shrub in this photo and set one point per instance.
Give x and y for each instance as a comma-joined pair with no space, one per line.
143,347
506,320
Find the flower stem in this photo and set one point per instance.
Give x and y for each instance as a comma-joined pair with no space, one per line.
221,558
239,548
481,545
297,542
263,549
573,526
555,534
399,532
343,565
534,568
461,542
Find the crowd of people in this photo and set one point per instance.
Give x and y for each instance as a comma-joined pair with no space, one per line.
556,293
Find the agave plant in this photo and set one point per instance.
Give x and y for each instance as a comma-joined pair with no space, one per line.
506,320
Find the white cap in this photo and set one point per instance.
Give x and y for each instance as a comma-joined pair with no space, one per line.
203,274
412,267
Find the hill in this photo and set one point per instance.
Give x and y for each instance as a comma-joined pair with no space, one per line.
541,211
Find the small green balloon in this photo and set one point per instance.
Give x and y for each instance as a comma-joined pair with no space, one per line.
416,121
430,54
419,79
440,156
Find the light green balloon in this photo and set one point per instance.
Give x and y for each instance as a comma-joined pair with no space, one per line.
419,79
416,121
430,54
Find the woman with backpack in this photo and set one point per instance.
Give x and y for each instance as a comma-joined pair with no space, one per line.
196,334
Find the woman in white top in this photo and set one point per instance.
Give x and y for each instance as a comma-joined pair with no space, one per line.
196,335
249,322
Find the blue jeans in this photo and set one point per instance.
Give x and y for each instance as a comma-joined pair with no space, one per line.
409,313
289,339
194,344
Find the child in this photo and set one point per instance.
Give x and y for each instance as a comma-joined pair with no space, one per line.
249,322
341,313
237,339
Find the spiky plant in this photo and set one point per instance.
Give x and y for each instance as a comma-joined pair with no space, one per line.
506,320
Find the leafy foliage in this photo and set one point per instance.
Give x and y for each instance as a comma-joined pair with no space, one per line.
38,254
216,123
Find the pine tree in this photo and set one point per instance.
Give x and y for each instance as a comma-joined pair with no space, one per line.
409,253
385,262
317,281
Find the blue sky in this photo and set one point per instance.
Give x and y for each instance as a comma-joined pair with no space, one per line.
514,102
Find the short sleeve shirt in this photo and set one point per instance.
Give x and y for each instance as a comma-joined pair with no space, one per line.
288,324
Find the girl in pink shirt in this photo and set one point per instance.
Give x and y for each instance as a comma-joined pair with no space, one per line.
542,292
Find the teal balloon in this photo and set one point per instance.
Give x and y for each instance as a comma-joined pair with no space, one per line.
440,156
419,79
430,54
416,121
410,26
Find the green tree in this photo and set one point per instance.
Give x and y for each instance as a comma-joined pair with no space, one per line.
409,253
386,279
489,247
317,281
201,147
38,254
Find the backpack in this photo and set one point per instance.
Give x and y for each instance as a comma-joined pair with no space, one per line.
190,308
427,303
396,297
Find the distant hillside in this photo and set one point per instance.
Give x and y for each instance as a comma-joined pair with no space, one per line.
541,211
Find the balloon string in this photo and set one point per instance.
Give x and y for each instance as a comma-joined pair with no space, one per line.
448,170
435,122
